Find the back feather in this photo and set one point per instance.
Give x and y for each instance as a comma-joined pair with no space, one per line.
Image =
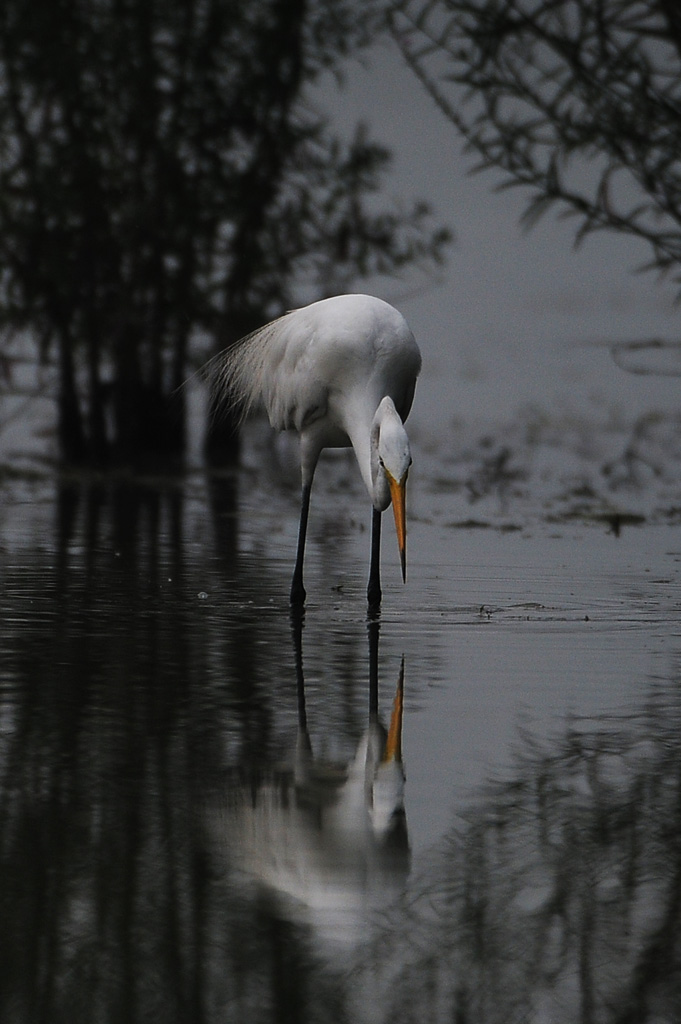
237,373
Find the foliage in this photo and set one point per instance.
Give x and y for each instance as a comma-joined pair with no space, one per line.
577,100
161,174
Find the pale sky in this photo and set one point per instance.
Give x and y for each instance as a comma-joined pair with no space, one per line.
518,317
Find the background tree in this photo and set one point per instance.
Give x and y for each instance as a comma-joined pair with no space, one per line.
577,100
161,175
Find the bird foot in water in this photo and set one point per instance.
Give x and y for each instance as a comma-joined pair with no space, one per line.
374,596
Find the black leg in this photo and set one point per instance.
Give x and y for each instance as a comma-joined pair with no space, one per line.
297,588
374,588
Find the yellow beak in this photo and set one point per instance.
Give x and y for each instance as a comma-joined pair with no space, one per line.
393,744
398,494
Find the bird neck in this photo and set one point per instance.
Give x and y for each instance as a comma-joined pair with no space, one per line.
364,434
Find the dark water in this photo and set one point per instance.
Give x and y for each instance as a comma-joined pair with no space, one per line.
197,820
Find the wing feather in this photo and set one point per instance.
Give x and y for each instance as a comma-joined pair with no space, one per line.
271,367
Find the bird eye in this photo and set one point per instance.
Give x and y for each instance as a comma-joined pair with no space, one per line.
381,462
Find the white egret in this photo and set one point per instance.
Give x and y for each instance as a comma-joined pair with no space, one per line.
341,372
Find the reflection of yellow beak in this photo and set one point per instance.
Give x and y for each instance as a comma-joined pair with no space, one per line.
398,494
393,744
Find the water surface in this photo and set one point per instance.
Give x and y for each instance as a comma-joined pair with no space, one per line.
198,822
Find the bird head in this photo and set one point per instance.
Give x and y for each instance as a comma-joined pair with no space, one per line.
393,459
387,803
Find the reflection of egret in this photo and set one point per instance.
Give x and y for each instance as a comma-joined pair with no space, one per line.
330,838
341,372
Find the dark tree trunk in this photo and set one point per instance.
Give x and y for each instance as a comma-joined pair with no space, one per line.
160,426
70,432
222,445
98,442
127,401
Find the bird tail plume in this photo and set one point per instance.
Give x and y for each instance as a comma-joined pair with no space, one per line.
236,375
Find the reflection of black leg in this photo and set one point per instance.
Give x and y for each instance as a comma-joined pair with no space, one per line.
297,619
373,627
303,745
297,588
374,588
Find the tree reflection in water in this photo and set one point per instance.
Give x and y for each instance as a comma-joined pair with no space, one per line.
141,728
557,896
101,876
126,702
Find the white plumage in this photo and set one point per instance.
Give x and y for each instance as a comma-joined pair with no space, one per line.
340,372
